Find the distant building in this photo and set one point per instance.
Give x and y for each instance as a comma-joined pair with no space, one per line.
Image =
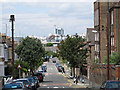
54,49
18,39
57,37
59,31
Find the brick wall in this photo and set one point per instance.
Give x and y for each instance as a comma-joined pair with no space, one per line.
98,73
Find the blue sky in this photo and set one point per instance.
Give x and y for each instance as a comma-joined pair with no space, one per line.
38,18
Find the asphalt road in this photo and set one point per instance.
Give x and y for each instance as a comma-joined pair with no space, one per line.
53,78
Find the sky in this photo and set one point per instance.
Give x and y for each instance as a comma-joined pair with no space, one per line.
39,17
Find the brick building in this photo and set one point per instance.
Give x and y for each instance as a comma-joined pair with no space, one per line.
100,22
106,14
114,26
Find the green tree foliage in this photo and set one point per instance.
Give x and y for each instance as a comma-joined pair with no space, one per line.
30,50
114,58
25,66
50,53
49,44
72,50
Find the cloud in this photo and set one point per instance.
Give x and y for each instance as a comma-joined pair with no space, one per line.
48,0
39,18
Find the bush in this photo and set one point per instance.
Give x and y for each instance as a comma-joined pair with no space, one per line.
114,58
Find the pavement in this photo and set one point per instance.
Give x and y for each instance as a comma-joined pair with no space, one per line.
86,84
70,79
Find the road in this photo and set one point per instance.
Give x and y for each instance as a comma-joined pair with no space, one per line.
54,79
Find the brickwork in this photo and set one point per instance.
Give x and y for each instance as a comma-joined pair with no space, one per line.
98,73
118,72
103,8
102,27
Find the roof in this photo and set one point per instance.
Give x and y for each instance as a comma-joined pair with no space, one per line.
51,48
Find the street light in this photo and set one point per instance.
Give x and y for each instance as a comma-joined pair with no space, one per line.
12,19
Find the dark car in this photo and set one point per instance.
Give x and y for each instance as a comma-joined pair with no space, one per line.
59,68
35,80
32,81
44,68
39,76
110,85
54,61
25,81
14,86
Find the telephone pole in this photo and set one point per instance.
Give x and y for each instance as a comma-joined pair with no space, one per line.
12,19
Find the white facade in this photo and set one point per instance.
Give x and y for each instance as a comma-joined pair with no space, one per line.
1,62
2,69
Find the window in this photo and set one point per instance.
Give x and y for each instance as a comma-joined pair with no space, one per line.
96,17
111,17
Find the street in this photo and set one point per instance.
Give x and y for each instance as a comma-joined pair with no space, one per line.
53,78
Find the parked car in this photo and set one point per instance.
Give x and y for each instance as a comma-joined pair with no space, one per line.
54,61
35,80
44,68
110,85
25,81
14,86
41,71
82,80
39,76
57,64
32,81
59,68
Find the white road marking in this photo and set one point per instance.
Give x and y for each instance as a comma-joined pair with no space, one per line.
55,87
44,85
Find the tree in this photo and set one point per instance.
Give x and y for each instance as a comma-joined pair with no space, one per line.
49,44
72,49
25,66
31,51
114,58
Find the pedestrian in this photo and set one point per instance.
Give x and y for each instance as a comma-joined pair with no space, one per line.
76,79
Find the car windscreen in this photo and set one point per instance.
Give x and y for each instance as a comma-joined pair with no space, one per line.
24,81
35,78
113,85
31,80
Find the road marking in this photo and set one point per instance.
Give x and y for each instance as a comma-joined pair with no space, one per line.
56,84
70,85
52,74
82,84
70,81
44,85
55,87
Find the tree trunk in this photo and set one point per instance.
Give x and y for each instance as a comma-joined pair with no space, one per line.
74,71
71,72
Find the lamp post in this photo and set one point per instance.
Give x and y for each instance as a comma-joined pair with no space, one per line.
12,19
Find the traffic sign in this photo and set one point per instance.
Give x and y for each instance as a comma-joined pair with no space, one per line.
19,67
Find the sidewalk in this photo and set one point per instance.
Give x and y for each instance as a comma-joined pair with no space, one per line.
86,84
